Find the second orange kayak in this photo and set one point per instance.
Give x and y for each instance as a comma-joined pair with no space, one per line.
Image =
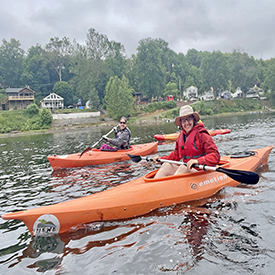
174,136
98,157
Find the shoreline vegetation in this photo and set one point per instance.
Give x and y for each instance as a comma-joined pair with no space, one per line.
158,116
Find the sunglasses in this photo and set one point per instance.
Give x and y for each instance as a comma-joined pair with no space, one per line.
189,119
122,122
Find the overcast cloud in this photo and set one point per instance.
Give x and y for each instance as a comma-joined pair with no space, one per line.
205,25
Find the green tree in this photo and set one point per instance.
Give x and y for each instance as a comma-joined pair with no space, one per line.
65,90
182,70
116,62
261,71
36,73
94,99
171,89
11,62
98,46
196,76
45,118
269,82
32,109
3,95
243,70
214,71
58,52
119,99
132,72
194,58
150,69
95,62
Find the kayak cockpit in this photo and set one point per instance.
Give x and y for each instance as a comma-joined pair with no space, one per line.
110,150
150,176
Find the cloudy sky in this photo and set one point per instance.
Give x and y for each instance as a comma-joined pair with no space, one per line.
205,25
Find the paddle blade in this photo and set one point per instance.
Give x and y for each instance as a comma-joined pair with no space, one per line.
240,175
86,150
135,158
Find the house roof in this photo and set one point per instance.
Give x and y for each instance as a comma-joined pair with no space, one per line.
13,90
18,90
191,87
52,96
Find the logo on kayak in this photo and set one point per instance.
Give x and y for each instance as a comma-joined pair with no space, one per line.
215,180
46,224
194,186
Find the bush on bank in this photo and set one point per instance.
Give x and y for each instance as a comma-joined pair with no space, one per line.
32,118
158,106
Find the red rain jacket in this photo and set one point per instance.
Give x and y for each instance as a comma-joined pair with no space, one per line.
203,141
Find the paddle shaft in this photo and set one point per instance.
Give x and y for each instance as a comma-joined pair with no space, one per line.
203,167
90,148
102,137
106,134
247,177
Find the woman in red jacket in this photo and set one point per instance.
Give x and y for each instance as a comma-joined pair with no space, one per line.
194,146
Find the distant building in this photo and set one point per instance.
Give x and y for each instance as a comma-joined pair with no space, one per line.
169,98
238,93
258,90
251,93
18,98
209,95
191,93
140,99
52,101
225,95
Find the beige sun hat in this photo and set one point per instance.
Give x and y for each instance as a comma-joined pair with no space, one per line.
186,111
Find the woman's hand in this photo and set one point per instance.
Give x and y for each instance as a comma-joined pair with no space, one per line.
155,159
106,138
191,162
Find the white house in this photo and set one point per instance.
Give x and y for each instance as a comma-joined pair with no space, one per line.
52,101
238,93
251,93
207,96
191,93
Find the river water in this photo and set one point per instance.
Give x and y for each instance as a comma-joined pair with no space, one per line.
230,233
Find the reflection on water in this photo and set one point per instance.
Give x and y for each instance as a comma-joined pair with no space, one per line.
228,233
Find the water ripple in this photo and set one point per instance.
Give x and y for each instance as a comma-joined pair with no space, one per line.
228,233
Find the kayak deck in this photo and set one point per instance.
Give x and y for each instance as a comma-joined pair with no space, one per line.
98,157
135,198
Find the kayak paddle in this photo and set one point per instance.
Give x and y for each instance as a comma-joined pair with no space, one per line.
90,148
237,175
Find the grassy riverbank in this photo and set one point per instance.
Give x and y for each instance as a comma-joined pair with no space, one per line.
17,118
208,108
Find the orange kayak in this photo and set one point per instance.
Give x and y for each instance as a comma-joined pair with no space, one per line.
97,157
135,198
174,136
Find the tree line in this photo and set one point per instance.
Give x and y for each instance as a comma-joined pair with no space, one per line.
100,71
